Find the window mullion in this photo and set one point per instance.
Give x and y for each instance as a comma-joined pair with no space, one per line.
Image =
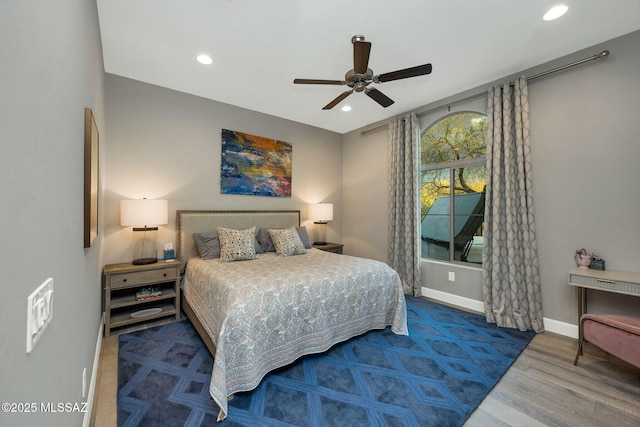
451,214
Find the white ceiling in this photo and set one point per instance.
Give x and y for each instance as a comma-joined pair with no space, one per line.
258,47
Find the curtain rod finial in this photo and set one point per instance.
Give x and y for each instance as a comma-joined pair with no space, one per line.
603,54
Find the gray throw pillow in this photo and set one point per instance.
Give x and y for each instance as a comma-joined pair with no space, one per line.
304,236
264,240
208,244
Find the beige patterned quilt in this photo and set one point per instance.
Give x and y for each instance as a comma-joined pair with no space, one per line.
265,313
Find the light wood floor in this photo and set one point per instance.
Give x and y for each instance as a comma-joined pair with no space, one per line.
542,388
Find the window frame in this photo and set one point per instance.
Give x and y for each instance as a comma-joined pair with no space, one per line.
452,166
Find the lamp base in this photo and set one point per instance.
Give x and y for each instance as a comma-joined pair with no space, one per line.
320,233
144,261
144,245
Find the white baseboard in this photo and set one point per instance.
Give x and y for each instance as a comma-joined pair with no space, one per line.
551,325
94,375
468,303
561,328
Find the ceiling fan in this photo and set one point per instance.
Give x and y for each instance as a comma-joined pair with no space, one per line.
362,76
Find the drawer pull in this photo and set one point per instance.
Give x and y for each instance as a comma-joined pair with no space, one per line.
124,280
607,281
165,274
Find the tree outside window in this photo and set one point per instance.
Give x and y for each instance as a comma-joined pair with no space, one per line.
453,178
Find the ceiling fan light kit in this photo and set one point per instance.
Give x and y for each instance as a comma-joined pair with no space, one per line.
362,76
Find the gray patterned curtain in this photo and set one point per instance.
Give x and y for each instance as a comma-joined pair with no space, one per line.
511,280
404,249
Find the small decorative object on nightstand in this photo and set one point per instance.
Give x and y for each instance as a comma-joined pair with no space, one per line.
336,248
138,296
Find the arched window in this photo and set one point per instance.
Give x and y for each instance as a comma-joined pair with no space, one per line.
453,177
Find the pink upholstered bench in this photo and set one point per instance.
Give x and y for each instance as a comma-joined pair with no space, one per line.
615,334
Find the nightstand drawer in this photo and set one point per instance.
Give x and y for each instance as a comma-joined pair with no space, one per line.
137,277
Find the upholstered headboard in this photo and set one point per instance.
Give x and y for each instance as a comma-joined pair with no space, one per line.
189,222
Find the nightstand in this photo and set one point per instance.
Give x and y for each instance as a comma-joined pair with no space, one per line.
128,307
336,248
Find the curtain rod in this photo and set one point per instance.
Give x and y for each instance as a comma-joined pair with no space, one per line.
601,55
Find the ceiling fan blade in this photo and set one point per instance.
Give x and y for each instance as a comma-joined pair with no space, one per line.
361,50
339,99
318,82
420,70
379,97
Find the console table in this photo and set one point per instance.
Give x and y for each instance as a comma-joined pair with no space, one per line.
618,282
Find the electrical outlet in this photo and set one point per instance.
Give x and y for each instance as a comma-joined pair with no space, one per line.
452,276
39,312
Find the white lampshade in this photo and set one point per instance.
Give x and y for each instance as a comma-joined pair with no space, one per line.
143,212
321,212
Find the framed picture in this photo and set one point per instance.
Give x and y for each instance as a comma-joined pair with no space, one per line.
90,178
255,165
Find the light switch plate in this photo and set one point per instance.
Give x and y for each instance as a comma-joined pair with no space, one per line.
39,312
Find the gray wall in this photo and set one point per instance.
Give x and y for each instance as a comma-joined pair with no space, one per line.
51,70
167,144
585,153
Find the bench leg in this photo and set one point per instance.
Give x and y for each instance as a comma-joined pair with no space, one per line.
575,362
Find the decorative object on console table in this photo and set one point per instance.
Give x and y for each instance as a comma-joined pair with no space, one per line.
320,214
597,263
144,215
583,259
138,296
336,248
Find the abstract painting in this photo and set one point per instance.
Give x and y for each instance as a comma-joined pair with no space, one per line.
254,165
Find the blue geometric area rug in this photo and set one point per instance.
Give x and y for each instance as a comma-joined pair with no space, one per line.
436,376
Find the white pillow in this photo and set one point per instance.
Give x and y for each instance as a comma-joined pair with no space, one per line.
237,245
287,241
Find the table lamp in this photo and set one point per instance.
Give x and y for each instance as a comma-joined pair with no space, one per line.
144,216
321,213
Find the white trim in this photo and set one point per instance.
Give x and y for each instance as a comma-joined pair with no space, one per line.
94,375
468,303
560,328
550,325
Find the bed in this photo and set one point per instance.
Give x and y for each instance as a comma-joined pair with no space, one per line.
262,314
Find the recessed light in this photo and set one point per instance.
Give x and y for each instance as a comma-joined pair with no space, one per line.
555,12
346,108
204,59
